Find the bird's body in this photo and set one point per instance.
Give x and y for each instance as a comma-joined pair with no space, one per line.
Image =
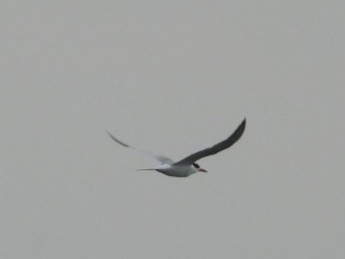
187,166
176,170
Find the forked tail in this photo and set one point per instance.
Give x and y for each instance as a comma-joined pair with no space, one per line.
146,169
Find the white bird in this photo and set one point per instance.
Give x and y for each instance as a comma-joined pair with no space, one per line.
187,165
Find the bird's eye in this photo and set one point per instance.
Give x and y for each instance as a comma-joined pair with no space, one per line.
196,165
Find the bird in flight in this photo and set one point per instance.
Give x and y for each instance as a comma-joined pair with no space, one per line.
187,165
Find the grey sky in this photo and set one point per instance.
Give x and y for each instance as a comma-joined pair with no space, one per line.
172,77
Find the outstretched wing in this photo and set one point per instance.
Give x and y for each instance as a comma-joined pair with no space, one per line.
216,148
160,158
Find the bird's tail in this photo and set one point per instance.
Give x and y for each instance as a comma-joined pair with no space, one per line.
146,169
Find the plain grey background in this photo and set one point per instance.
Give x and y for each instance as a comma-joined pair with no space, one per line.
172,77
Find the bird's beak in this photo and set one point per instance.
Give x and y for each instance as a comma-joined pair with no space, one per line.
202,170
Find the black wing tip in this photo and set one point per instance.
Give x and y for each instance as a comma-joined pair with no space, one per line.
116,140
240,129
243,124
110,135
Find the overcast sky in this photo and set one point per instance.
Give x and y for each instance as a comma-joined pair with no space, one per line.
172,77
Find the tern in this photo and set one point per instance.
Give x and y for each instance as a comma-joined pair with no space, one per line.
187,165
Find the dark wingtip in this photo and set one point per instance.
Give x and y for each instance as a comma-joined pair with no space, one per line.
239,131
243,123
116,140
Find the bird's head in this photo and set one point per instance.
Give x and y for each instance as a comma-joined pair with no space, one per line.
198,168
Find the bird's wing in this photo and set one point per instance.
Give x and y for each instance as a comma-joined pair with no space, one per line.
160,158
216,148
